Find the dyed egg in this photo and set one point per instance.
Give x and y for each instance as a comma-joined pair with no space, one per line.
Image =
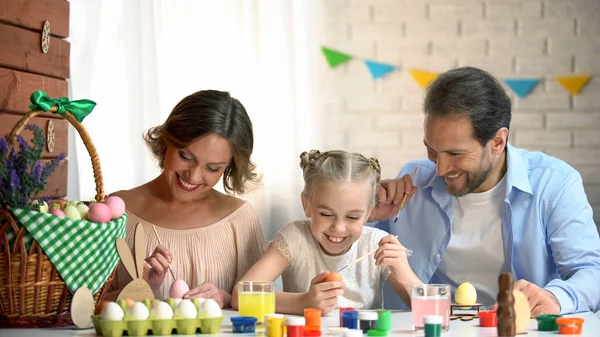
465,294
138,311
178,289
209,309
332,277
72,212
83,210
99,213
162,310
186,309
112,312
116,205
57,212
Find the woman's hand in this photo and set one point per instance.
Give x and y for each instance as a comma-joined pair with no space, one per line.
209,290
156,266
323,295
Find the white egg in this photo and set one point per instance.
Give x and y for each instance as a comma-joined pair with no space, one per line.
162,310
112,312
198,301
210,308
186,309
177,301
138,311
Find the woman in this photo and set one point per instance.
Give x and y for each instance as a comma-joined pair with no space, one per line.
210,239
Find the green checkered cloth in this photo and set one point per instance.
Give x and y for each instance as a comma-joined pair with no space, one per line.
83,252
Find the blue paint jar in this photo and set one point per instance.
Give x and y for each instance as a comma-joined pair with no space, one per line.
350,319
243,324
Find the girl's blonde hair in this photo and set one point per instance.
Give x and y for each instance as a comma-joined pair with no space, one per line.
339,166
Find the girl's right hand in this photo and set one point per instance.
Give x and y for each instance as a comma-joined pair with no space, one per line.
323,295
156,267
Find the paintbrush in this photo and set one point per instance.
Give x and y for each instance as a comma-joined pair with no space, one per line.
403,203
160,243
408,253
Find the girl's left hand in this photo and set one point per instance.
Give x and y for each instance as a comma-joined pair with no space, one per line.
391,253
208,290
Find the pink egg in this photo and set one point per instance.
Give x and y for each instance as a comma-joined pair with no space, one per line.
178,289
116,205
58,212
99,212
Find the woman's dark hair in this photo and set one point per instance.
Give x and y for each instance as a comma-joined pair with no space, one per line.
473,93
203,113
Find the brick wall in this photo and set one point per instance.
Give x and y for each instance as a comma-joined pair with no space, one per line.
508,38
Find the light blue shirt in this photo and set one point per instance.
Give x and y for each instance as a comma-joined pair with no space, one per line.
548,231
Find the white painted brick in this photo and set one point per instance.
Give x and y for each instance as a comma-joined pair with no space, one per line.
589,174
555,139
334,139
487,28
527,121
333,33
577,45
375,102
414,102
544,102
451,11
522,46
349,78
587,100
536,66
577,156
343,13
412,138
584,138
547,27
588,26
368,152
572,120
393,51
509,10
455,47
350,121
373,32
401,154
399,83
429,63
366,138
497,66
400,121
572,8
360,48
330,103
587,63
397,11
429,28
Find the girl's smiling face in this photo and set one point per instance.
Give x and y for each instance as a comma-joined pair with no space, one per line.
338,212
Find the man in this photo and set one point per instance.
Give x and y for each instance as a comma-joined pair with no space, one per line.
479,206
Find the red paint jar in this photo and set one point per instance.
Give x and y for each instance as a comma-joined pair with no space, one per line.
487,319
295,326
313,319
345,309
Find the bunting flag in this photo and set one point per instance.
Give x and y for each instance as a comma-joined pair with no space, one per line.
522,86
379,70
573,84
423,78
334,57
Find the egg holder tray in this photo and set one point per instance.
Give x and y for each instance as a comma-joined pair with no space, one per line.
166,327
464,316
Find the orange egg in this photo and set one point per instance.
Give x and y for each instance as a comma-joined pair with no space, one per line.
333,276
100,306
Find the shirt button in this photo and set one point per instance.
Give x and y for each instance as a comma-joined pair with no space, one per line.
437,256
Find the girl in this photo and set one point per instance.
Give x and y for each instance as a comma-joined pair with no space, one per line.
210,239
338,196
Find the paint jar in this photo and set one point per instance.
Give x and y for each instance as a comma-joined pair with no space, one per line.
243,324
378,333
433,325
312,333
336,330
367,320
569,325
353,332
350,319
275,327
547,322
345,309
384,320
487,319
295,326
277,316
313,319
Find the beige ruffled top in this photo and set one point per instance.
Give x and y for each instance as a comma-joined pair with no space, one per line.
220,253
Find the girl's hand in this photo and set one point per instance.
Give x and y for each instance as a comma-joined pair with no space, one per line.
209,290
393,254
156,267
323,295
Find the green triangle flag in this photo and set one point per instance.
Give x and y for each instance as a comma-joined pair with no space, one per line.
334,57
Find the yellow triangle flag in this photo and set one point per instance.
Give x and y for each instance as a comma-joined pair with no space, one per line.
573,84
423,78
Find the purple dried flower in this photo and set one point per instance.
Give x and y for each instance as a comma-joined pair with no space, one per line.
32,127
15,182
3,145
37,172
22,144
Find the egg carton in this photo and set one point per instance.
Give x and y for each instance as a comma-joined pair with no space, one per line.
167,327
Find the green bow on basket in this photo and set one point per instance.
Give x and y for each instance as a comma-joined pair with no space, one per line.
79,108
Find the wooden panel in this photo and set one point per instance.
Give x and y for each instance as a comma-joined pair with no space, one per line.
21,49
32,14
57,182
61,143
17,87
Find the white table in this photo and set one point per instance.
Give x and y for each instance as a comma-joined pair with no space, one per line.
401,326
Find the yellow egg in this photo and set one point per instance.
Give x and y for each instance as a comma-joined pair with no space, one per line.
465,294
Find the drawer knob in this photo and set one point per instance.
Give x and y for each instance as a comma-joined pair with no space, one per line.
46,37
50,141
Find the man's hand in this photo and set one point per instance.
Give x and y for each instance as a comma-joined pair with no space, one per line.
541,301
390,193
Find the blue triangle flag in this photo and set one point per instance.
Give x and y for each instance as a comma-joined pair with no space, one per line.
379,70
522,86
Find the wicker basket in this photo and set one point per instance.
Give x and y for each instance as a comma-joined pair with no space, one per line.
32,293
